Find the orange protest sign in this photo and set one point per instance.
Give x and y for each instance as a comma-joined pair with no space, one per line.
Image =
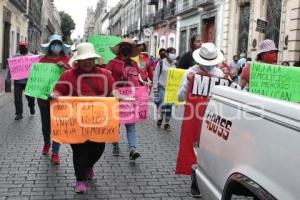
75,120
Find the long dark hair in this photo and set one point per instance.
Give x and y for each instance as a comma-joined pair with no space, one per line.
192,40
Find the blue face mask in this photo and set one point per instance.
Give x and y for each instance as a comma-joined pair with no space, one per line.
56,48
208,68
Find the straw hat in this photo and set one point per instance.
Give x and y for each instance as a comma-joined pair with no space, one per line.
208,55
135,51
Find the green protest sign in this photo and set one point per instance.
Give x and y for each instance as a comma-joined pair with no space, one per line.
102,44
42,80
275,81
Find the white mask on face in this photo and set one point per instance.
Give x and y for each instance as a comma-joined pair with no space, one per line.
172,57
208,68
56,49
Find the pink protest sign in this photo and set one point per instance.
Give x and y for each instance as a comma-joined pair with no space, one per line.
134,111
19,66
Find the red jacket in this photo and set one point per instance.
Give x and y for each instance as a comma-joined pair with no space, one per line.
71,84
147,71
65,59
117,68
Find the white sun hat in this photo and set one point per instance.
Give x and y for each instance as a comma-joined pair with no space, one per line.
85,51
208,55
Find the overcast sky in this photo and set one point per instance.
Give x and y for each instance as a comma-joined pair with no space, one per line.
77,9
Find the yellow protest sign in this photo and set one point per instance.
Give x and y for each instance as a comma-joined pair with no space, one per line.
174,78
75,120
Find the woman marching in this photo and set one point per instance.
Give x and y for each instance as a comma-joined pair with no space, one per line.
159,85
55,52
267,54
144,64
85,155
126,72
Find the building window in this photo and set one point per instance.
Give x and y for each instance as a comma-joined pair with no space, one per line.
13,43
183,42
244,28
273,18
171,42
193,31
162,43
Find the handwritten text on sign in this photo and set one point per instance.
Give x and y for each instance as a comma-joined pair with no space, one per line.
42,79
19,66
134,111
75,120
173,83
203,85
275,81
102,44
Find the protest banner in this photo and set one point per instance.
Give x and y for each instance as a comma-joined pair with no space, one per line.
174,78
75,120
275,81
102,44
198,94
19,66
42,80
134,111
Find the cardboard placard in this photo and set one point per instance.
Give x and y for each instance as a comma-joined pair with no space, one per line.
75,120
275,81
134,111
19,66
42,80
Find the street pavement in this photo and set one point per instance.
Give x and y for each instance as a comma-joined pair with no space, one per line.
26,174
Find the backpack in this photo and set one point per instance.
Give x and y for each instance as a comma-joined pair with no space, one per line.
130,73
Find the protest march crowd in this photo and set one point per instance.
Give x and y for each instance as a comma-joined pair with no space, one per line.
106,93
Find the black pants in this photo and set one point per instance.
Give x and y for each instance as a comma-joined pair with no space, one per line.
46,128
18,91
85,156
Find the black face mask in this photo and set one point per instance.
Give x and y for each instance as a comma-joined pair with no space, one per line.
126,51
23,50
162,56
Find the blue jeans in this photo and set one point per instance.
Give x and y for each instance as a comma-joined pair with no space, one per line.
45,118
164,108
131,136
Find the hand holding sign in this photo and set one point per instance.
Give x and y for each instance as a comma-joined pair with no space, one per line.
42,79
19,66
75,120
102,44
134,111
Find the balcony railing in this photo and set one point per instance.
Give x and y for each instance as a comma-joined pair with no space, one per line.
170,11
160,15
203,2
153,2
20,4
185,7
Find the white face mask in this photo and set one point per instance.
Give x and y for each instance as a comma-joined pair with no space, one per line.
56,49
172,57
208,68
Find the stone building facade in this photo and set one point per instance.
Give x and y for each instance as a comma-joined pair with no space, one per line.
50,20
14,28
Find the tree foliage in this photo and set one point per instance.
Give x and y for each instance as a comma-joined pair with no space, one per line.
67,25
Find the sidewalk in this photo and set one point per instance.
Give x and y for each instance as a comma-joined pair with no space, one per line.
26,174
